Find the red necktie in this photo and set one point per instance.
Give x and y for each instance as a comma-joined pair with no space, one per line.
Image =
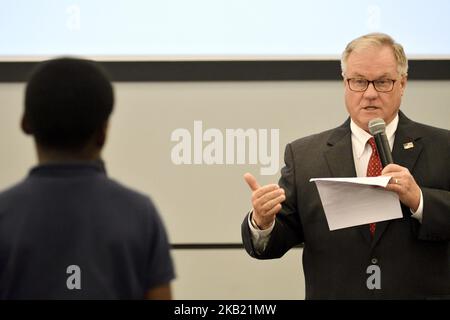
374,169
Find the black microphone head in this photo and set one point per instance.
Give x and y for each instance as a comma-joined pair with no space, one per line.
377,126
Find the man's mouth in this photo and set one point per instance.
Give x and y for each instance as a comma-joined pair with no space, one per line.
370,108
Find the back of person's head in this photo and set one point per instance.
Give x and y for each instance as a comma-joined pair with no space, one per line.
377,40
67,101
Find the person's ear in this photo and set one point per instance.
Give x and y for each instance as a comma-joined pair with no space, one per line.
403,82
25,125
101,135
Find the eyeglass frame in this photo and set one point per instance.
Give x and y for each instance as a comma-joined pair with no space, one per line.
371,82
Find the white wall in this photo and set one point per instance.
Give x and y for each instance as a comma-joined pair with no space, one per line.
206,203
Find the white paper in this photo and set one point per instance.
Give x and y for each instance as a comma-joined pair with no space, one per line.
349,202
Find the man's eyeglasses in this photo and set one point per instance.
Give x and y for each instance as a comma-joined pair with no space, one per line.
360,84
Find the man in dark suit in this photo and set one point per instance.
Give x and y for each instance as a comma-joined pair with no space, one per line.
68,231
411,255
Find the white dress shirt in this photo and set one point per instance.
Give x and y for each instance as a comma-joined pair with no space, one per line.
361,155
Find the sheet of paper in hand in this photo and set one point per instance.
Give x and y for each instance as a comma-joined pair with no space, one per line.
349,202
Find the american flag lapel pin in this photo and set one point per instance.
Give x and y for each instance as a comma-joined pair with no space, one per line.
408,145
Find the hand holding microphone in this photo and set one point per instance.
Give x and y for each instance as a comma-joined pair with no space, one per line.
402,182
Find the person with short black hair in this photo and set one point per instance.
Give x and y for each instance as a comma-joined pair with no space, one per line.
67,231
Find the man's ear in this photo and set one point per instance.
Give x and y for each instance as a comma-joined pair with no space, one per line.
403,82
25,125
101,135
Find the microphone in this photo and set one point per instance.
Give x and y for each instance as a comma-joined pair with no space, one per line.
377,128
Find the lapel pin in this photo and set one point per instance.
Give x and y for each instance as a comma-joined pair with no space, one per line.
408,145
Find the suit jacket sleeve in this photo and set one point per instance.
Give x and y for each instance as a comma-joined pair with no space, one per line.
436,201
436,196
287,231
436,215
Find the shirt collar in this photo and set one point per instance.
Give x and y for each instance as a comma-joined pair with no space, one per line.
360,136
76,168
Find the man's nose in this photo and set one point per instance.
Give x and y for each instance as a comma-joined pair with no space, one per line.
370,92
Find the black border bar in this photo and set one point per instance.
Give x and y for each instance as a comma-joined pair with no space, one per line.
140,71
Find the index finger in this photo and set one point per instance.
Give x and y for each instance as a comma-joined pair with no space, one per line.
392,168
265,189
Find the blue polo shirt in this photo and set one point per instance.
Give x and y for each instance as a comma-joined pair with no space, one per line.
67,231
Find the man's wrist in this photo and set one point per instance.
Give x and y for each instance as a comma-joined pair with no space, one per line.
257,226
254,224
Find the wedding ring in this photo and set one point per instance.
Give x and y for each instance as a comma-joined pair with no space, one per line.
396,181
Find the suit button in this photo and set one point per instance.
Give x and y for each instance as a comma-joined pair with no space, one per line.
374,260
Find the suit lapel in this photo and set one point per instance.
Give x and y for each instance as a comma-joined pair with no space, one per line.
339,154
407,144
405,152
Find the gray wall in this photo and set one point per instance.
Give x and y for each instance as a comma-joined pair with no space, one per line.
203,203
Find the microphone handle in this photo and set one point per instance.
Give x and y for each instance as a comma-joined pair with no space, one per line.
383,149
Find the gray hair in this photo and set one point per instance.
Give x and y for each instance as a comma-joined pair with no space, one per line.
376,40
